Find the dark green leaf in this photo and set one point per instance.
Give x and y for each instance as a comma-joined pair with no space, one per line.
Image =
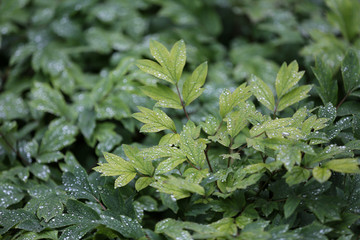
350,69
58,135
328,89
290,205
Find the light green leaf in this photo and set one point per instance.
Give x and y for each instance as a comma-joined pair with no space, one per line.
170,139
287,77
138,162
195,175
177,187
290,205
321,174
166,97
297,175
124,179
289,156
154,69
228,100
345,165
157,152
169,164
192,86
294,96
162,55
263,93
178,58
193,149
236,121
350,69
117,166
210,125
155,120
143,182
226,226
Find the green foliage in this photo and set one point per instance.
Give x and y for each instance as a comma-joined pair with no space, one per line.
226,137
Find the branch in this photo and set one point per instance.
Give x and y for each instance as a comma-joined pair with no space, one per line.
207,158
182,102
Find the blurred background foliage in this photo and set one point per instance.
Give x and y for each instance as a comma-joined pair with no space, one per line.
68,82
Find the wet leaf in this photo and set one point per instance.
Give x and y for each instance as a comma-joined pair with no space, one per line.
155,120
321,174
290,205
228,100
294,96
263,93
192,86
350,69
345,165
164,96
287,77
116,166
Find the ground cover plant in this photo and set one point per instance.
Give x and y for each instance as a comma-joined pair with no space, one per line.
175,120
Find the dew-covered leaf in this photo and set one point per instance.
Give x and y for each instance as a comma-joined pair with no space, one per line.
126,226
143,182
228,100
178,58
193,149
263,93
77,184
290,205
328,88
41,171
177,187
164,96
10,194
321,174
50,100
155,120
59,134
116,166
294,96
138,162
287,77
350,69
345,165
154,69
12,107
192,86
297,175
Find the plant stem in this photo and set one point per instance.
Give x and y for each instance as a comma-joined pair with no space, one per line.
217,130
343,100
230,151
182,102
192,164
103,207
275,110
13,149
207,158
